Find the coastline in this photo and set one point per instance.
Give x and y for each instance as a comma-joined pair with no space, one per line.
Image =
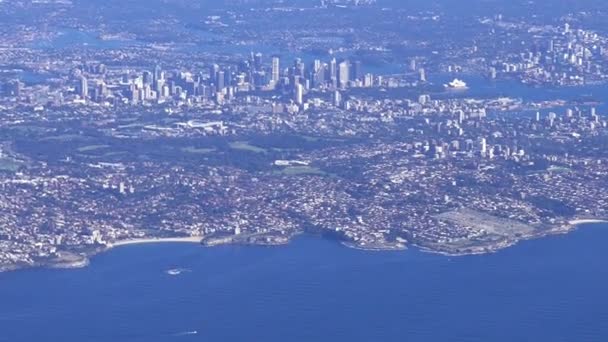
563,229
139,241
73,261
70,260
586,221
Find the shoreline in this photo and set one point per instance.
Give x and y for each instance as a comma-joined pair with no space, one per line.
84,260
139,241
586,221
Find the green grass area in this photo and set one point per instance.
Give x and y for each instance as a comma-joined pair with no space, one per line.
28,129
64,137
558,169
309,138
8,164
197,150
245,146
132,125
317,139
289,149
90,148
112,154
301,170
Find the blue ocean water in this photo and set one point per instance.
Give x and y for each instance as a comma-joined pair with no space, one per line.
552,289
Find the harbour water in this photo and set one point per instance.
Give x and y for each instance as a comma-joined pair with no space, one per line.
551,289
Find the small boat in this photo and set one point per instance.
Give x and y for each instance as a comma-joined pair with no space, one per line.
456,84
177,271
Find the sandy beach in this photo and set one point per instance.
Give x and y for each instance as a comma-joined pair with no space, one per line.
585,221
189,239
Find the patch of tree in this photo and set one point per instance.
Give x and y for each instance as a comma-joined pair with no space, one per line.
557,207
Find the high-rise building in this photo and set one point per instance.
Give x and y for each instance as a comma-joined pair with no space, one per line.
413,64
276,70
569,113
298,67
103,90
220,81
213,70
357,72
136,95
422,75
316,65
298,96
83,87
482,145
147,78
368,80
492,73
337,99
158,74
318,76
333,73
257,61
228,77
343,74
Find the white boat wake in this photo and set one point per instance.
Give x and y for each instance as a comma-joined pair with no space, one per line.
177,271
185,333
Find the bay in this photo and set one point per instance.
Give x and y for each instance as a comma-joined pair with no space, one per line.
551,289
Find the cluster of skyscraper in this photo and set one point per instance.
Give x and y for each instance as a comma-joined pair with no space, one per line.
222,83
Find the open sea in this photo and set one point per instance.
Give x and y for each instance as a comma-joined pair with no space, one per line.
552,289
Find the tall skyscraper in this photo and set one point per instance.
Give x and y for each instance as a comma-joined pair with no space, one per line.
318,77
83,87
316,65
102,89
298,67
368,80
158,74
257,61
148,78
220,81
298,96
357,72
343,74
422,75
337,99
333,73
213,69
569,113
276,70
413,64
493,73
482,146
